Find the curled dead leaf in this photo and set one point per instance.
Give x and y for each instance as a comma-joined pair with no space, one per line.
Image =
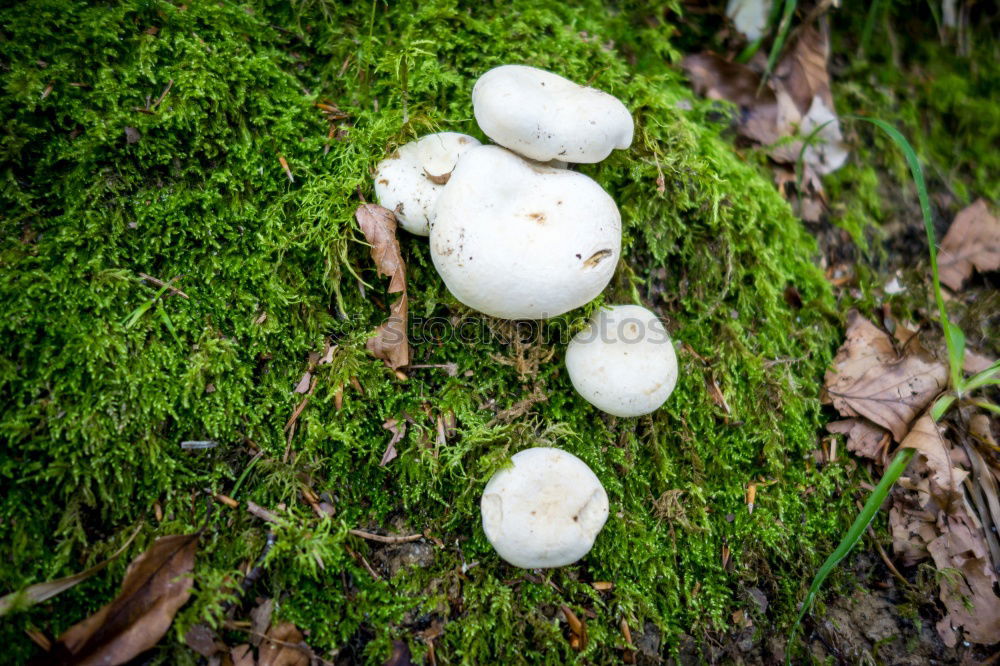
156,585
398,430
870,379
389,342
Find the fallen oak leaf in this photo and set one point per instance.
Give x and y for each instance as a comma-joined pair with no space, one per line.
869,378
389,342
972,241
156,585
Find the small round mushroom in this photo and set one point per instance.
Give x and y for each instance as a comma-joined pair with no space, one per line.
545,511
518,240
624,362
409,182
543,116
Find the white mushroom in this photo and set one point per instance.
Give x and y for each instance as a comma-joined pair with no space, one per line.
409,182
545,117
545,511
624,362
518,240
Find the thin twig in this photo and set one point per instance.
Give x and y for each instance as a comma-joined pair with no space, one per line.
885,558
262,513
169,285
163,94
364,562
389,538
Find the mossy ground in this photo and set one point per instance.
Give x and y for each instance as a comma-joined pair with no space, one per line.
94,411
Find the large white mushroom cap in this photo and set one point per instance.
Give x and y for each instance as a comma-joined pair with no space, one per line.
624,362
409,182
543,116
518,240
545,511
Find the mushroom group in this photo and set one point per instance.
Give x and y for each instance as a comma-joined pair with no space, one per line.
515,233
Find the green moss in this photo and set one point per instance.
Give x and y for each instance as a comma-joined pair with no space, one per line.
942,96
95,411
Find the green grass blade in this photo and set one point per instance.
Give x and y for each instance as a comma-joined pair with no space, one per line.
866,34
169,324
853,536
941,406
953,338
806,142
990,375
779,39
136,314
988,406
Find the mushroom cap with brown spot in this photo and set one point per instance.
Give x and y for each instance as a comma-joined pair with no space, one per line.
544,511
518,240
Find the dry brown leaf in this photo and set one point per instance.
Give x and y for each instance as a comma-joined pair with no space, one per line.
972,241
303,384
863,438
870,379
156,585
389,342
974,362
934,518
926,438
242,655
260,620
980,427
802,70
716,78
398,429
795,101
966,584
284,645
203,640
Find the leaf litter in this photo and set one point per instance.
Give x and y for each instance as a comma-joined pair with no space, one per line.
972,242
942,508
389,342
156,585
792,113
